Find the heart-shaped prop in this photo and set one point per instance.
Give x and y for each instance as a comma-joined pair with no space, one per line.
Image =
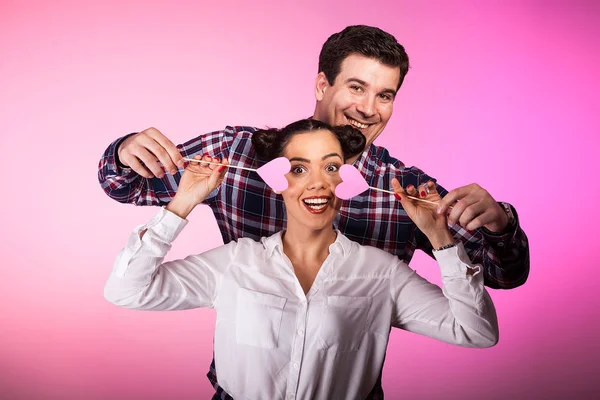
352,184
273,173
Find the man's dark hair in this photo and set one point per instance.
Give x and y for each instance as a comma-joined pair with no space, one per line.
364,40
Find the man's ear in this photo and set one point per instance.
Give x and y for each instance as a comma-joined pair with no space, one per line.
321,85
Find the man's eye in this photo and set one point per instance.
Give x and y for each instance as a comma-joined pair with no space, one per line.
385,97
356,88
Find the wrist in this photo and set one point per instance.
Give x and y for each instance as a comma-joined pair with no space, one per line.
506,222
181,206
440,238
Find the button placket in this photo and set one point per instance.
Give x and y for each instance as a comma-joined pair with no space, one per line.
298,349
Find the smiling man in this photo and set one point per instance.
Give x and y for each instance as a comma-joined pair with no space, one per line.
360,70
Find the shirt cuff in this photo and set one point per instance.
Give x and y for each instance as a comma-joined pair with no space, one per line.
499,239
454,262
119,167
166,225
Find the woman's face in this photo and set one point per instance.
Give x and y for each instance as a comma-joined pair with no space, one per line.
316,158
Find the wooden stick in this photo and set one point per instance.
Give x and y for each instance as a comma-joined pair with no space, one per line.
410,197
214,163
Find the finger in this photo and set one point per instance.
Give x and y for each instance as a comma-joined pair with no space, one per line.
207,159
412,191
479,221
137,166
160,153
149,161
459,208
470,214
397,188
169,146
216,177
422,190
223,168
192,165
401,195
430,188
452,197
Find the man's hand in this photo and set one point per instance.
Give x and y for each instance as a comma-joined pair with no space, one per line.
473,207
150,147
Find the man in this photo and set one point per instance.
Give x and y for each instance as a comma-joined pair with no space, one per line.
360,70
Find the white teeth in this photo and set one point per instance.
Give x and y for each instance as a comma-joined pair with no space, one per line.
316,204
316,201
357,124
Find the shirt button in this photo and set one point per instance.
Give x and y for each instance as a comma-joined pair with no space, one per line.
300,332
500,244
290,396
296,365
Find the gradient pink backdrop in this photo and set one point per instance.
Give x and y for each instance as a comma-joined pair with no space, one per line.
500,93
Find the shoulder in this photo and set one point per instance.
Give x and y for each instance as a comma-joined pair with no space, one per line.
369,259
386,165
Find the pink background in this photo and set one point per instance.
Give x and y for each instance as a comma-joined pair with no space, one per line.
500,93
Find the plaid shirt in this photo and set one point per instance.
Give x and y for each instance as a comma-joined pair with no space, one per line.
245,207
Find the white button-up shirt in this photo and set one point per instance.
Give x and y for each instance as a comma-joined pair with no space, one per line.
274,342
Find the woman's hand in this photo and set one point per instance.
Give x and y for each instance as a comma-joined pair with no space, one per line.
424,215
197,181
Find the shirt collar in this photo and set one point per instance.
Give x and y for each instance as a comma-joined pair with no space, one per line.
273,243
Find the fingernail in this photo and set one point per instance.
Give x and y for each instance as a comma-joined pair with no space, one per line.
221,169
396,195
423,194
410,187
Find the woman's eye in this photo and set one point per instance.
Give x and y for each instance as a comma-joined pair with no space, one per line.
332,168
297,170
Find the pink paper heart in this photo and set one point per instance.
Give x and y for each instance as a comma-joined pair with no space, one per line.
352,184
273,173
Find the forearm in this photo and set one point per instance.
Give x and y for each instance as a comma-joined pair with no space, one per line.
506,258
461,313
139,278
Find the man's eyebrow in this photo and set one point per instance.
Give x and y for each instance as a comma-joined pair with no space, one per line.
360,81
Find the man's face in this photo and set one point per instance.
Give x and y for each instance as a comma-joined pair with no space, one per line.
362,95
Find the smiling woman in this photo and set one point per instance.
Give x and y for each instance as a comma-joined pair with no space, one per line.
316,152
306,312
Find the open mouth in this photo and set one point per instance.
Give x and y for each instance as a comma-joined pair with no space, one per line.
316,205
357,124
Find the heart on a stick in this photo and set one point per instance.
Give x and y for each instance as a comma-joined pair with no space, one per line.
352,184
273,173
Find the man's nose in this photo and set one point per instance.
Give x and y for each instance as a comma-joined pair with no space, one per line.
367,106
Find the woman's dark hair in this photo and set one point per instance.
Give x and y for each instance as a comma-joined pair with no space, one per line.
270,143
364,40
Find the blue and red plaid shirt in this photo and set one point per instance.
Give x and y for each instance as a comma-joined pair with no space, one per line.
245,207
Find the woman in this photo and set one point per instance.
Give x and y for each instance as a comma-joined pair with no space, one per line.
305,313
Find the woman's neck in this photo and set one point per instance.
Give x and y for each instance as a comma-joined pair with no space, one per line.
307,246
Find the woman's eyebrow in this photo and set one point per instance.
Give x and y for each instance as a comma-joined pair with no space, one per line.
306,160
332,155
300,159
